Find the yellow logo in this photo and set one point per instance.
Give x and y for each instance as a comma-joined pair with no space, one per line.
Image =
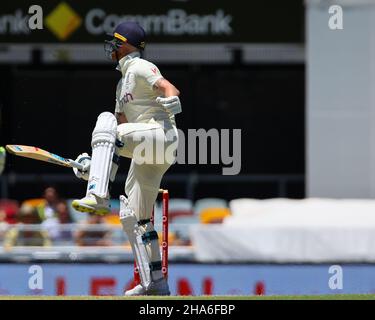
63,21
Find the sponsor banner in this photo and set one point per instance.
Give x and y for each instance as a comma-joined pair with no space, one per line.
164,21
188,279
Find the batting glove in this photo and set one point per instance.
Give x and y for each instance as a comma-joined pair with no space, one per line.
85,160
171,104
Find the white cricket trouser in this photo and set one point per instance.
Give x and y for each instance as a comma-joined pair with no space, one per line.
149,146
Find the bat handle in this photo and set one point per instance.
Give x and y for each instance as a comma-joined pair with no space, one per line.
75,164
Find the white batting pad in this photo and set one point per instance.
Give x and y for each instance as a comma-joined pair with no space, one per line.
133,231
103,148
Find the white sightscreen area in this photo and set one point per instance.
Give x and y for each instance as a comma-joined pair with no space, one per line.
340,115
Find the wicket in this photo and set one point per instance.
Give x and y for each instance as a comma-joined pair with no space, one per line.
165,232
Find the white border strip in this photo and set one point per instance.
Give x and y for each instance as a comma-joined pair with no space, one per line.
216,53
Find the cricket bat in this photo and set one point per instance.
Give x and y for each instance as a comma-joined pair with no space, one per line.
42,155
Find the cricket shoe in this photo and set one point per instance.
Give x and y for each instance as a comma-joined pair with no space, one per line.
156,288
92,204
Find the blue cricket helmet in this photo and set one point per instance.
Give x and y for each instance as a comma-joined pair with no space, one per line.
131,32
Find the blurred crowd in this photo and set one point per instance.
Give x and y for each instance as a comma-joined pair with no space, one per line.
40,222
51,221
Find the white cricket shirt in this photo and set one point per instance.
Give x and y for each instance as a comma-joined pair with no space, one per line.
135,96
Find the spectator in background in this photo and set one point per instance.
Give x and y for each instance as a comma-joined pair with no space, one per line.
27,215
53,225
48,212
63,214
63,217
2,159
88,235
48,209
8,212
3,223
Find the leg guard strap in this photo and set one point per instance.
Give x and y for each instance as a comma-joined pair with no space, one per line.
147,237
119,144
155,266
144,222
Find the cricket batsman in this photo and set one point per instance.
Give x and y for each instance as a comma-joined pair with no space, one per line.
146,104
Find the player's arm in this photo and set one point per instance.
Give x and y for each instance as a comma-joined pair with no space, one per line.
169,99
168,92
166,88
